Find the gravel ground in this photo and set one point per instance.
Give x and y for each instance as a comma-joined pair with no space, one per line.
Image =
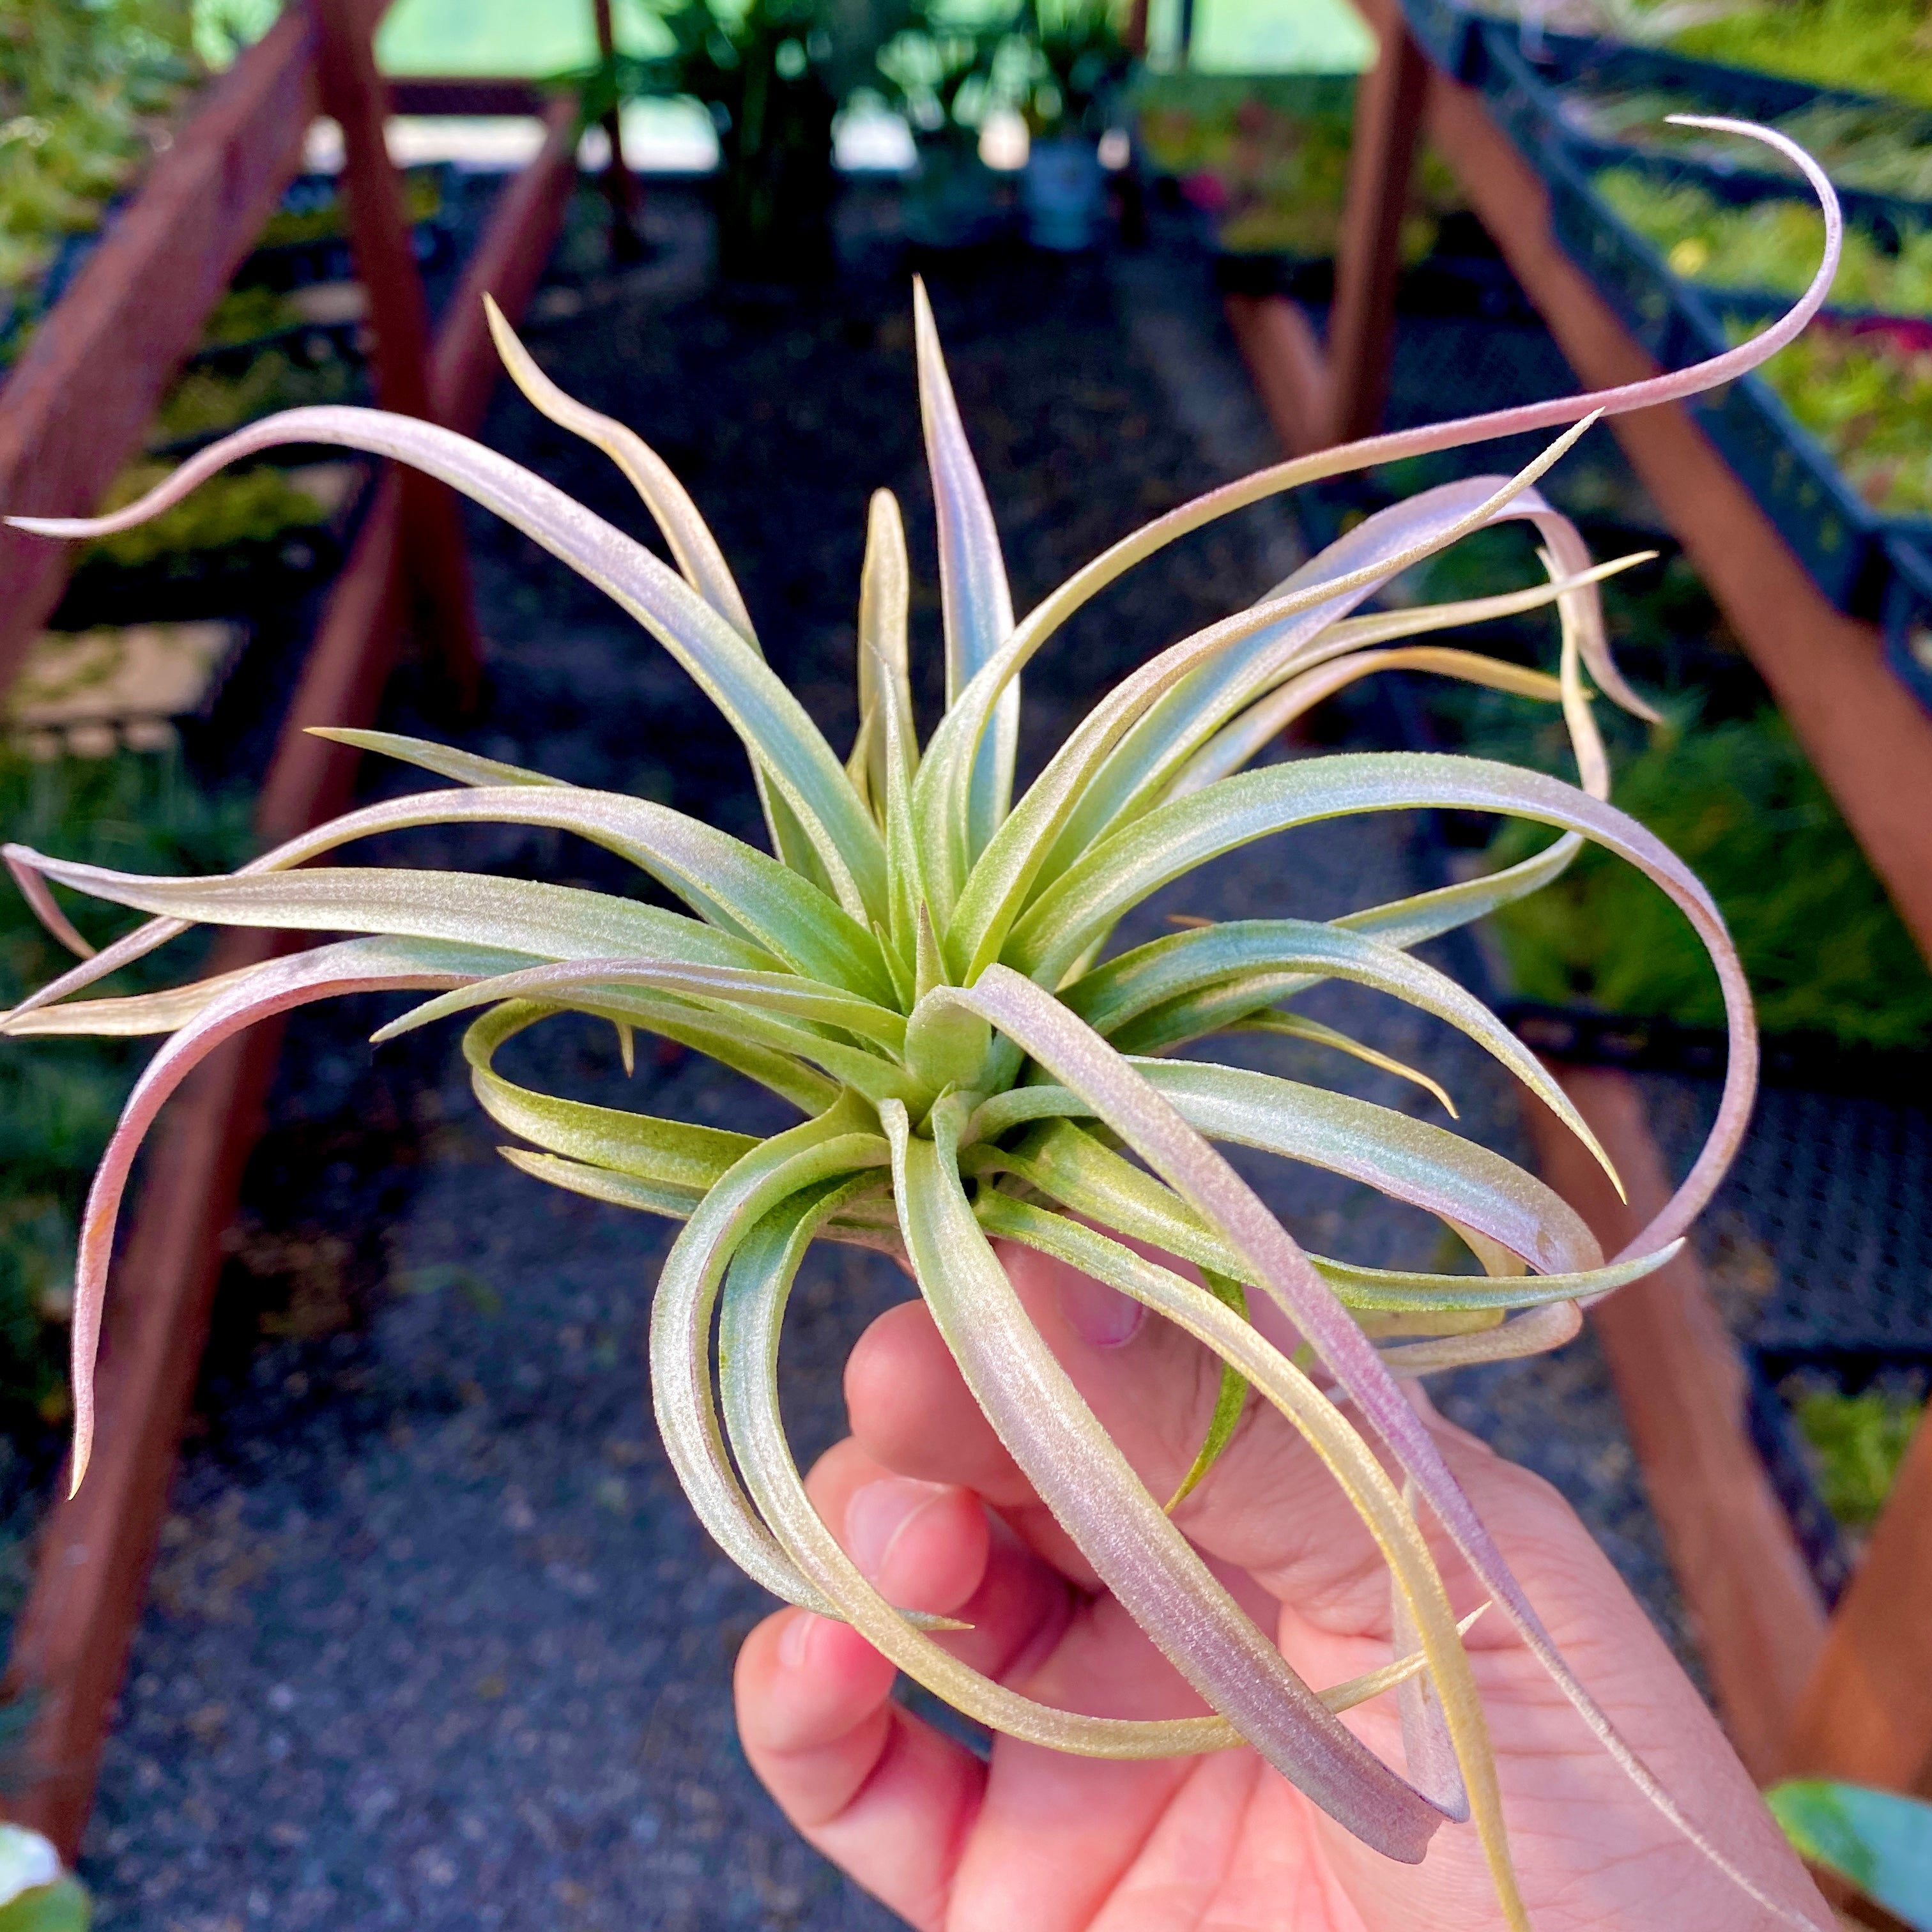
434,1641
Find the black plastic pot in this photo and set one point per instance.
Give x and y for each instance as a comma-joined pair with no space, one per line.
955,201
299,265
307,343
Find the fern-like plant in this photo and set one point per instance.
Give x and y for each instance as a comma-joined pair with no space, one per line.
920,965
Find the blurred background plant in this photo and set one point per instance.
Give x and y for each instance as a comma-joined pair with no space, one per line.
1883,146
1648,22
1826,953
1038,93
1061,66
1725,783
1266,159
1079,65
1771,245
1857,1441
1076,67
1866,393
937,71
772,74
1880,1841
222,27
1868,46
974,80
87,87
1863,45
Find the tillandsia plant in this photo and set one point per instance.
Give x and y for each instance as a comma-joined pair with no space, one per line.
920,966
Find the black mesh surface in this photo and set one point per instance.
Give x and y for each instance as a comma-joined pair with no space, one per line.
1821,1236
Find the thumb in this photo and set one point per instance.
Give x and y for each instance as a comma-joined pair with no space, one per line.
1267,1506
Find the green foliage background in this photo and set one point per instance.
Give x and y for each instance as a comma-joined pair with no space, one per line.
1881,46
1859,1442
59,1098
1825,952
84,86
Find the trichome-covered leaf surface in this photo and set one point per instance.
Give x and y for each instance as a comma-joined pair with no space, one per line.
922,965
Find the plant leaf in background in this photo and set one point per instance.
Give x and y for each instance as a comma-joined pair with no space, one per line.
1880,1841
921,970
35,1894
61,1907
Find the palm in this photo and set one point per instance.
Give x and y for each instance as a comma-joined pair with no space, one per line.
1066,1844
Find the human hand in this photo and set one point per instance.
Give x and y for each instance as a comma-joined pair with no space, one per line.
931,1506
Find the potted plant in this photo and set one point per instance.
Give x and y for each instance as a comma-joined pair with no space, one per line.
772,73
1082,64
919,966
946,71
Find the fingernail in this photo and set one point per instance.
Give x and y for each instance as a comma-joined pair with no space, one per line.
1099,1315
877,1514
795,1639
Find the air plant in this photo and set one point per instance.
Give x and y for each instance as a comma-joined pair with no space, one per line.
920,966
